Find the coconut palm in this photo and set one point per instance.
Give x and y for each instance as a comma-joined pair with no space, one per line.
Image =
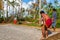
14,3
1,6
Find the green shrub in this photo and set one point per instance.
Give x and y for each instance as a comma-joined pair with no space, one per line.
19,22
22,19
58,23
1,20
29,19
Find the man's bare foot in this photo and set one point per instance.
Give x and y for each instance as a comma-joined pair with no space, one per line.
42,38
46,37
54,31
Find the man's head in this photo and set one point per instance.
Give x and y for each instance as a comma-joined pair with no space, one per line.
42,12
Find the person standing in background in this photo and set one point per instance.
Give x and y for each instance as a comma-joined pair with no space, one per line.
54,17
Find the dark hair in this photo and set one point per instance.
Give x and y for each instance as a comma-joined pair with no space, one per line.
54,9
42,12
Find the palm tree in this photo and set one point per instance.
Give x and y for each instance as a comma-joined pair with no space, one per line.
6,10
56,3
15,3
1,6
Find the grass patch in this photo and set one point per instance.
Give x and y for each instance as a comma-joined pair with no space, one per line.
58,23
33,24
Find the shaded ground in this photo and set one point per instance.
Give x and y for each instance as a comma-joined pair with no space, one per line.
13,32
54,37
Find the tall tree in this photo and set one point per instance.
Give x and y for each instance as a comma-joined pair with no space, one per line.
1,4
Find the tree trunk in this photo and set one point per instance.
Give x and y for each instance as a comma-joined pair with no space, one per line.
1,4
7,12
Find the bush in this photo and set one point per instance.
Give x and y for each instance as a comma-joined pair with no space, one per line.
1,20
30,19
20,22
22,19
58,23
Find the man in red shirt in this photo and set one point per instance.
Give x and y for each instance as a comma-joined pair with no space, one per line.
46,24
